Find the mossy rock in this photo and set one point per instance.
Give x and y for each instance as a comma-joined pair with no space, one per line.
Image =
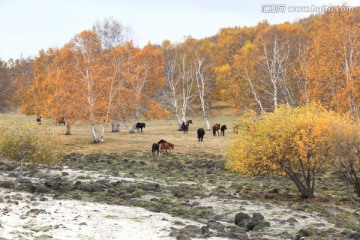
6,184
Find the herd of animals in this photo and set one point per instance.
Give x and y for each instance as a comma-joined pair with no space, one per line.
163,145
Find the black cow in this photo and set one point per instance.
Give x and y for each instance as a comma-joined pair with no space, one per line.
140,125
223,128
200,133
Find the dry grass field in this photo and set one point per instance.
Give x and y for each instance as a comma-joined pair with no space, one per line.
81,139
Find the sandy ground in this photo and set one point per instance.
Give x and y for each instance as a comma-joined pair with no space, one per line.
23,215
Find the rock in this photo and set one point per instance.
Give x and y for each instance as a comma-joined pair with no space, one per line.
258,217
42,189
182,237
304,232
191,230
150,187
216,226
179,192
353,235
53,183
17,196
239,217
291,220
65,174
6,184
235,229
242,236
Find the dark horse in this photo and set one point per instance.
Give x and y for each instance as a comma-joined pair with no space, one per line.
223,128
61,121
140,125
200,133
216,128
155,146
38,119
185,126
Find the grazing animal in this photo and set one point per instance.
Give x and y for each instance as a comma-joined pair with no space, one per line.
165,146
216,128
61,121
155,147
223,128
185,126
140,125
200,133
38,120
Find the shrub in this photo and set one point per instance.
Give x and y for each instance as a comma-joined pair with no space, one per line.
28,143
297,142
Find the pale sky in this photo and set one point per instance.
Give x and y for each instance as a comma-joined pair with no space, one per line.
30,25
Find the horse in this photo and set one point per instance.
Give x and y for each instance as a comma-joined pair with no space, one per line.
165,146
38,120
155,147
216,128
61,121
223,128
200,133
185,126
140,125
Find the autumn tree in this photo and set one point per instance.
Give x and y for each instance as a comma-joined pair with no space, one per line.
346,152
29,143
335,61
6,85
81,81
189,75
145,79
292,141
23,80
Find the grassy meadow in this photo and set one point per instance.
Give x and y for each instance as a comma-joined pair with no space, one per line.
81,139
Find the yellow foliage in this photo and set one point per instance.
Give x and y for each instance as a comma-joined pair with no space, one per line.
29,143
294,141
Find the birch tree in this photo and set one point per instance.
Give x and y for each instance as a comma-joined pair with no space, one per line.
202,79
171,90
84,81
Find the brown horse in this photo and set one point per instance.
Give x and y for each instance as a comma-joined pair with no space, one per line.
61,121
155,147
165,146
216,128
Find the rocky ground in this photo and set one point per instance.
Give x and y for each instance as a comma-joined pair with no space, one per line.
135,196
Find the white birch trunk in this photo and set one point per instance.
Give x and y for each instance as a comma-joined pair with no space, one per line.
95,133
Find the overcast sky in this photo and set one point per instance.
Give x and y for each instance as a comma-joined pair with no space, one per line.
30,25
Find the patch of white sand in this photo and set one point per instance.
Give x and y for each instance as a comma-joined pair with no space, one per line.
71,219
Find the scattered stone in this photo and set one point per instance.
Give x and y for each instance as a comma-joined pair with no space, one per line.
150,187
179,192
353,235
216,226
65,174
303,233
240,217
